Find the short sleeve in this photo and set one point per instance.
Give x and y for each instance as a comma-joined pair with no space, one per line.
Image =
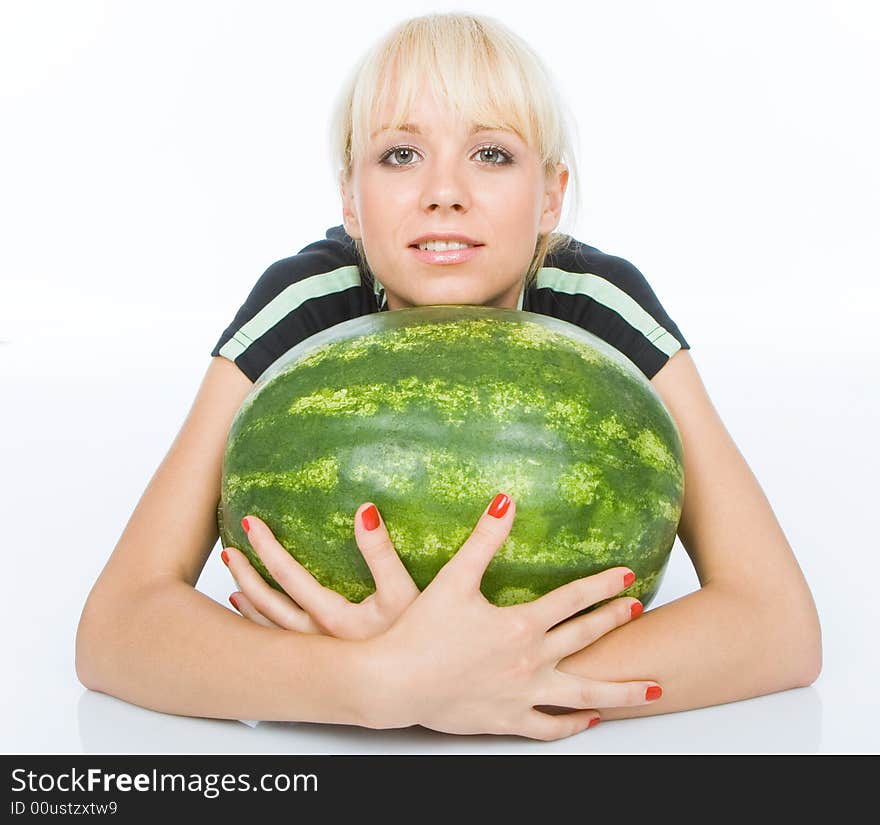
294,298
608,296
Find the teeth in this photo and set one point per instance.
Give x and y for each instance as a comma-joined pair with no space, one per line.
443,246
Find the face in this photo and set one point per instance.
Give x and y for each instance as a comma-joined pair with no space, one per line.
488,186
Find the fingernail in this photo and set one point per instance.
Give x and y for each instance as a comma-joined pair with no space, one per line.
628,579
594,721
370,517
232,602
635,609
499,505
247,527
225,556
653,692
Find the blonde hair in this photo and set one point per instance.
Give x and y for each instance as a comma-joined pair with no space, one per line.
485,72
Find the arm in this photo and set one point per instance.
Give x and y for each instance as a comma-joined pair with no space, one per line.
148,637
752,628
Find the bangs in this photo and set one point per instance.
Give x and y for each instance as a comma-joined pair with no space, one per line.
485,75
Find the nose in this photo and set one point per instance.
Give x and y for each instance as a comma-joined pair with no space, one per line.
444,186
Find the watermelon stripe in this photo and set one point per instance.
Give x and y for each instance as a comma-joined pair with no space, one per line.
504,403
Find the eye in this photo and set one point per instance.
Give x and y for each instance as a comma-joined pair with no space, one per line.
495,155
403,153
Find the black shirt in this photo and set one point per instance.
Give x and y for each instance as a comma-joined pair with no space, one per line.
323,285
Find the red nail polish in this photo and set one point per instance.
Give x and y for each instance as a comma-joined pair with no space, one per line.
225,556
628,579
635,609
370,517
232,602
499,505
247,527
594,721
653,692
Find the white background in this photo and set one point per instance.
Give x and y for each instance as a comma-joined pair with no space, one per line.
157,157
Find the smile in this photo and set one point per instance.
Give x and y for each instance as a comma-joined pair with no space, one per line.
456,254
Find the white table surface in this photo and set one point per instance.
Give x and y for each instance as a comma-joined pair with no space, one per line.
82,436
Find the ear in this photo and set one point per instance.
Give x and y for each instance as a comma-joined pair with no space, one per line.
554,195
349,213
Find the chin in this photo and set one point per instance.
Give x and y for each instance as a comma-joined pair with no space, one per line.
448,300
459,294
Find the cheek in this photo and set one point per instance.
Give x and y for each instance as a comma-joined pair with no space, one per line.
378,184
516,218
383,206
513,201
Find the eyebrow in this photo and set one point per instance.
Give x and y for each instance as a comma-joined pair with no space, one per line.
414,128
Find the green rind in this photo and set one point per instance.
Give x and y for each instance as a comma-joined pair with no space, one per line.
518,402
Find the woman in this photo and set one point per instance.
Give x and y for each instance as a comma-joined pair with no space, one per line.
449,130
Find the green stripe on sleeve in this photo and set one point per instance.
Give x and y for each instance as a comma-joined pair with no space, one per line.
606,293
315,286
379,292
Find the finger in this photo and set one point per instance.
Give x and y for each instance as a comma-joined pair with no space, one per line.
274,606
297,582
565,601
243,605
568,690
544,726
577,633
473,557
393,581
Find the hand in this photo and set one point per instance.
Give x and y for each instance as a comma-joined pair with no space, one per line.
455,662
309,607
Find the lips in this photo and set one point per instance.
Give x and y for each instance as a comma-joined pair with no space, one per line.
446,257
445,236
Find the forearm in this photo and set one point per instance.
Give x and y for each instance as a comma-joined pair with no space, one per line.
174,650
710,647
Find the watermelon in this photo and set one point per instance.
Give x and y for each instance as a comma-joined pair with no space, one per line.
429,412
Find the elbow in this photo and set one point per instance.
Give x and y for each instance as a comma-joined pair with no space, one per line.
804,644
103,636
811,660
90,652
86,656
787,623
